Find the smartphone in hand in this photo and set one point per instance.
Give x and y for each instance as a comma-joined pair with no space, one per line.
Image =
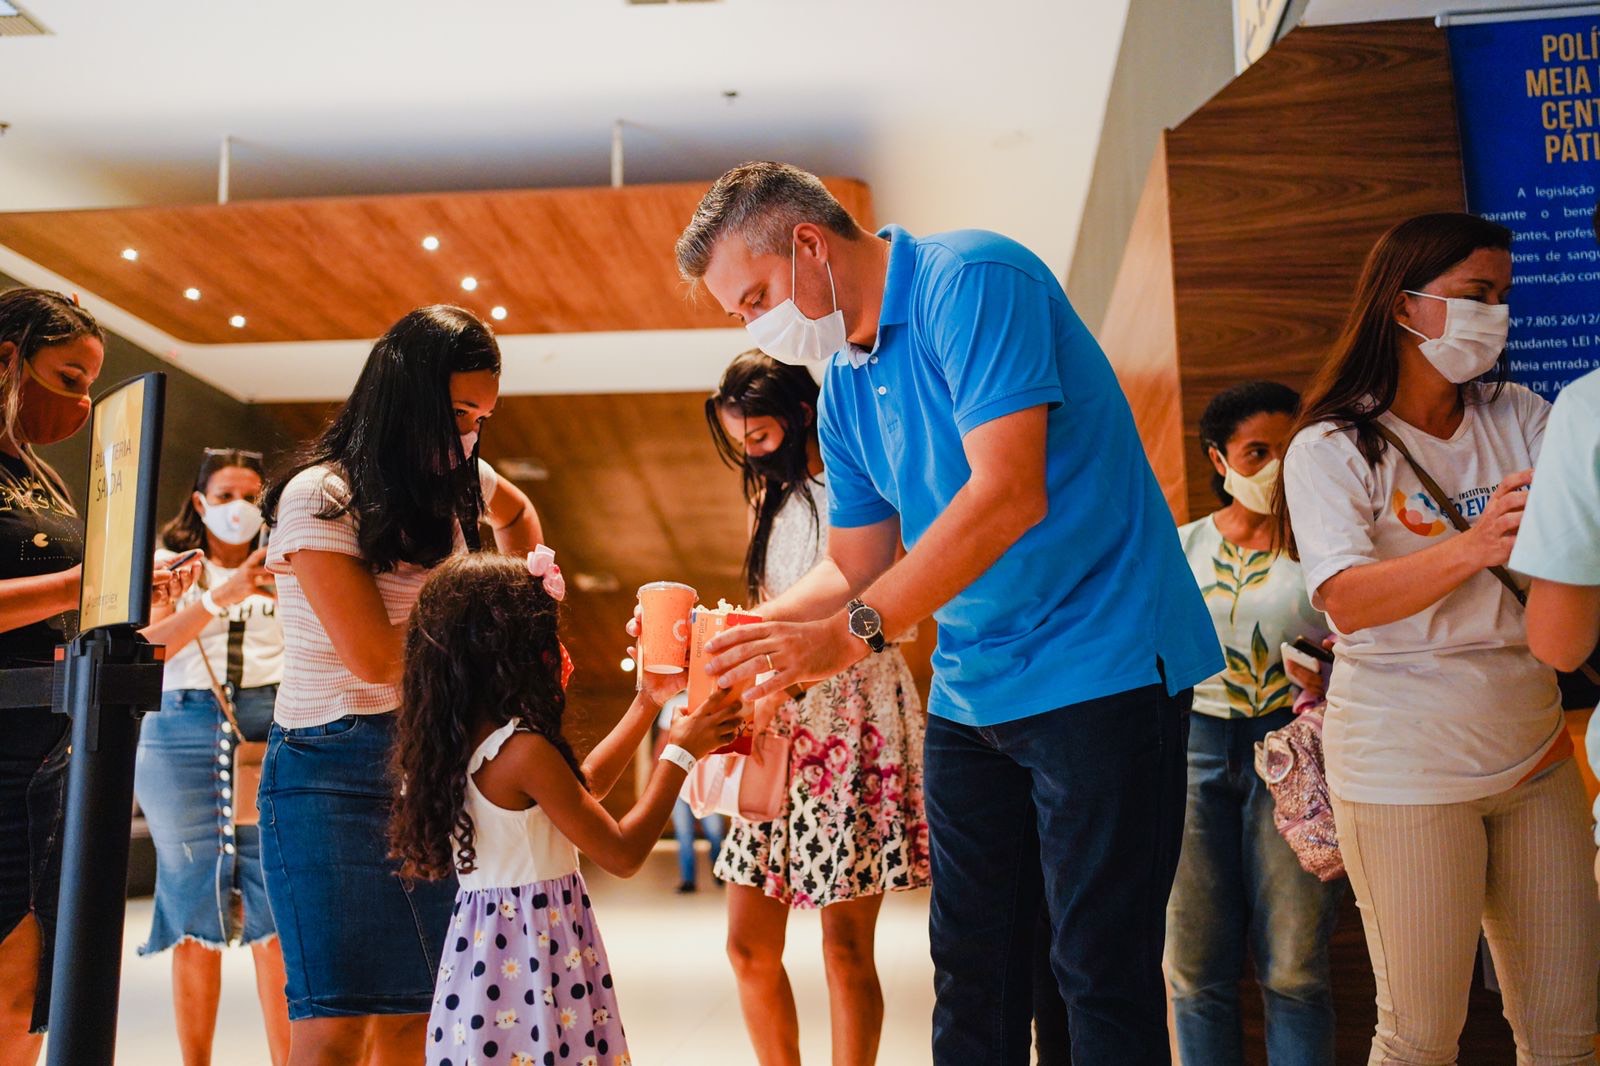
1307,655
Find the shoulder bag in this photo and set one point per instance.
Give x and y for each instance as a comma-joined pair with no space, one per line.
248,755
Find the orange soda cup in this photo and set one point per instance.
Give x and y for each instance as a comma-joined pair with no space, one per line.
664,626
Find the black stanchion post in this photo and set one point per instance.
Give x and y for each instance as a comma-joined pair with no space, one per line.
112,679
109,677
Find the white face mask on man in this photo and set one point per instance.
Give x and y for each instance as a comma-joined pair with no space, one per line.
787,335
1473,338
234,522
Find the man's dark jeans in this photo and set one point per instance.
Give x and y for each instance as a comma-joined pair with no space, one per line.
1082,806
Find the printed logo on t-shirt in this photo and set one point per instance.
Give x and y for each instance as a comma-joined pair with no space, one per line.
1471,503
1418,514
29,494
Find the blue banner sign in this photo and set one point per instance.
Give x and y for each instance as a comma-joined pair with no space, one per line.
1528,104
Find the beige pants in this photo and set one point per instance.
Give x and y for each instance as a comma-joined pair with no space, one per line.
1519,865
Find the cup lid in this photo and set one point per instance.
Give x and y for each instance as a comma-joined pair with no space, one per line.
667,585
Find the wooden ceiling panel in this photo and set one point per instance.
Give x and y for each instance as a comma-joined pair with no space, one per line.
558,260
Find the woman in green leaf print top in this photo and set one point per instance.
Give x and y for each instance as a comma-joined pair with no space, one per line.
1239,888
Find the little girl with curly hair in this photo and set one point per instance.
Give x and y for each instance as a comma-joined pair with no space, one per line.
489,788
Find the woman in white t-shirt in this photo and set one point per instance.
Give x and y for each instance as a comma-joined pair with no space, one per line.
1456,799
223,633
391,488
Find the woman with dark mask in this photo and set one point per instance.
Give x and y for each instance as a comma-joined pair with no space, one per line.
391,488
51,351
852,825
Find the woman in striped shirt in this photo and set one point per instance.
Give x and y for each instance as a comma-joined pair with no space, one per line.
391,488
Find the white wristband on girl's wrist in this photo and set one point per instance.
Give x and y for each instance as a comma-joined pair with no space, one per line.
679,757
210,604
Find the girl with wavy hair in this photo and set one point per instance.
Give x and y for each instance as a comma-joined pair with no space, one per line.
489,792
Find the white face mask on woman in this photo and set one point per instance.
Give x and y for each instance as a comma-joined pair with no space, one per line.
1253,491
786,334
234,522
1473,338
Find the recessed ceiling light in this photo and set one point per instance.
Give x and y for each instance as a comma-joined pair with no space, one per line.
237,322
191,293
469,283
497,313
130,254
628,665
431,243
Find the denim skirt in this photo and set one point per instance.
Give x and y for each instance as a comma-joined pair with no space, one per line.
357,939
208,871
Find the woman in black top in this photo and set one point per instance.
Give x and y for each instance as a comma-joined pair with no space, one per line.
51,351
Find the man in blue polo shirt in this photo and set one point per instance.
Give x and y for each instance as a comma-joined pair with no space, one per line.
969,415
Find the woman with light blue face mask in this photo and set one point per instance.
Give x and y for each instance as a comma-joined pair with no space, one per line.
224,633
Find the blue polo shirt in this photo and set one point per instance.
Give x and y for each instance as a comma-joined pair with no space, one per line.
1096,599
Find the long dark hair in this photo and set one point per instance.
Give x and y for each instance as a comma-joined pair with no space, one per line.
1228,409
33,319
756,385
1358,381
187,529
395,441
482,646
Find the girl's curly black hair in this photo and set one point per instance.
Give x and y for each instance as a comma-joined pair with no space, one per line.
482,646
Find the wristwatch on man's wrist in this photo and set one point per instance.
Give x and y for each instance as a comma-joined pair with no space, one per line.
867,624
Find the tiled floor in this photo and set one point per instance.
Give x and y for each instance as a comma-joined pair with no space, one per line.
677,994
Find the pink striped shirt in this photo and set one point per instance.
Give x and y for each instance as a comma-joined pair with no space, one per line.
317,687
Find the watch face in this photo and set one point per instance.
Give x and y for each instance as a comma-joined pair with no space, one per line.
865,622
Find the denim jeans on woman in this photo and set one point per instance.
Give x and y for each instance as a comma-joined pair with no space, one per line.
1082,807
683,823
1239,888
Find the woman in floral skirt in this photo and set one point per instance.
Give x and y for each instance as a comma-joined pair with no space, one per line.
852,825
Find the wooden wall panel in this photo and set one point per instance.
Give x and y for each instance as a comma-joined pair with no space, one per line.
1280,185
1141,340
636,493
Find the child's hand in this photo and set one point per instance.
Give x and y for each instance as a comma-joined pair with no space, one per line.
658,688
709,726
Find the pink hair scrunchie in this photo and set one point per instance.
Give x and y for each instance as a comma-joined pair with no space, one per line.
542,564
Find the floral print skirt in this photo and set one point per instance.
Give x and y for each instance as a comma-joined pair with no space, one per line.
523,981
853,822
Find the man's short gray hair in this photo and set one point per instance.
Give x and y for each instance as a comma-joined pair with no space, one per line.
763,203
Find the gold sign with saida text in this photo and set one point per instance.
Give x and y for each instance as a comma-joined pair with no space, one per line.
113,507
